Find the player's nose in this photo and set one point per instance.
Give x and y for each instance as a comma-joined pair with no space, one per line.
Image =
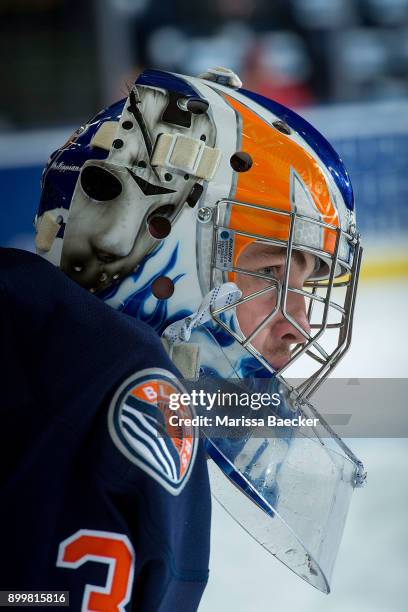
296,332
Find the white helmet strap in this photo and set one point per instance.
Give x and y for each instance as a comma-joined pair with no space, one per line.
224,295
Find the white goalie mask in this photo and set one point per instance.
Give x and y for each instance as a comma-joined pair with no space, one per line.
226,222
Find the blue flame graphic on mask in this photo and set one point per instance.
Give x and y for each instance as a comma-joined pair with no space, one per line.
220,334
135,303
248,367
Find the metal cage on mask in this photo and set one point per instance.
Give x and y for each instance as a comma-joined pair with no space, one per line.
339,276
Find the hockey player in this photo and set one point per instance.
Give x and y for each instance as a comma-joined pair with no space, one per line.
225,223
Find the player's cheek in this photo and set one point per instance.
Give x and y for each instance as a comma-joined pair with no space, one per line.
251,284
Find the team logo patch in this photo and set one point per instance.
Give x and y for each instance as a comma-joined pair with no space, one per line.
139,425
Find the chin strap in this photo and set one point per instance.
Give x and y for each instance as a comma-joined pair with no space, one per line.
184,354
224,295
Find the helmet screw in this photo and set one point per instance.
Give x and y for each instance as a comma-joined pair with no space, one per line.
204,214
241,161
197,106
194,195
103,277
282,126
222,75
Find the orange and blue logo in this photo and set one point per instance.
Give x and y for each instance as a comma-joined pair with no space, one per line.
139,424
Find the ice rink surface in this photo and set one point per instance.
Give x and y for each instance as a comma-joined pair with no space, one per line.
371,572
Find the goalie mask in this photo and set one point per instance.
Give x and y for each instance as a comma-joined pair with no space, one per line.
226,222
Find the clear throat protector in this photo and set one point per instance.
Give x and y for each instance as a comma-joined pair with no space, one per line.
288,486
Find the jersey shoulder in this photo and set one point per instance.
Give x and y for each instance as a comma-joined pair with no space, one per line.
74,348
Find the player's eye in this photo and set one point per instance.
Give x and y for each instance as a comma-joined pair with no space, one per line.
272,271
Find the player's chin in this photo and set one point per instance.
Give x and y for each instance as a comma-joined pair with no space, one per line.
278,361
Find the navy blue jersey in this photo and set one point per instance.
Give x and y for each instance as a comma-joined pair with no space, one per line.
93,500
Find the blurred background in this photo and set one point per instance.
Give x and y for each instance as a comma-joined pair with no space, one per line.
343,64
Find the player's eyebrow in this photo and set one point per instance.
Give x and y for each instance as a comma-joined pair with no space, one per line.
279,257
268,255
262,257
